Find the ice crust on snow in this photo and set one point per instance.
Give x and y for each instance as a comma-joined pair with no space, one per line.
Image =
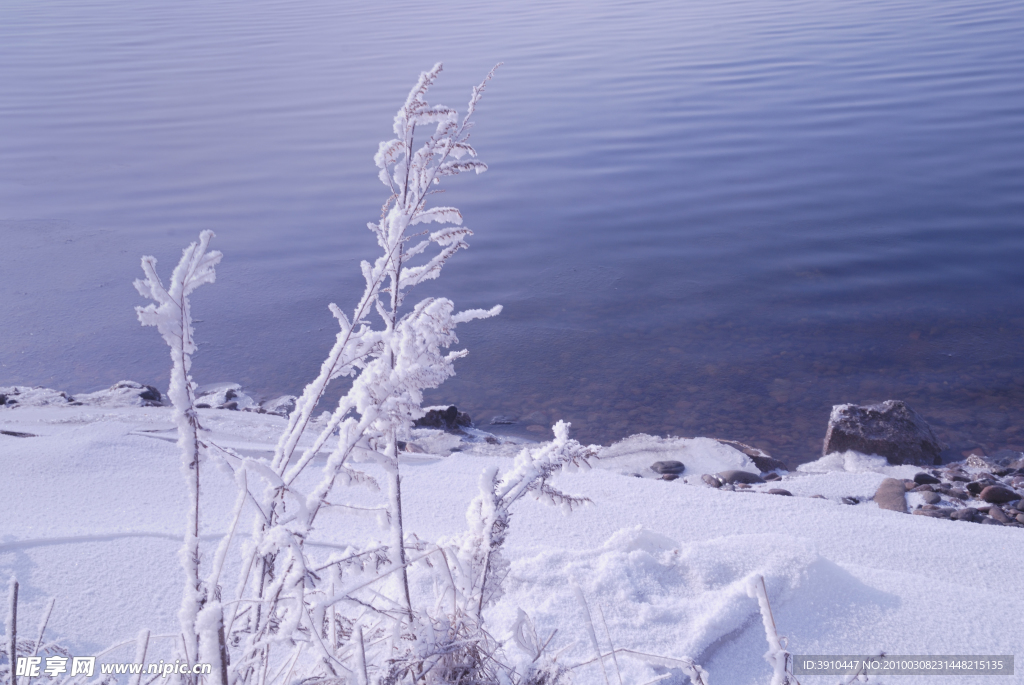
855,462
93,510
635,454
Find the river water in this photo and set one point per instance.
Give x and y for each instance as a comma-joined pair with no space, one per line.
702,218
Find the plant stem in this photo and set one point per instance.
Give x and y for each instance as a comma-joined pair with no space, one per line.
12,631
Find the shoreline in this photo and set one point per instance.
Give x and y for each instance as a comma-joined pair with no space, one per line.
232,396
954,489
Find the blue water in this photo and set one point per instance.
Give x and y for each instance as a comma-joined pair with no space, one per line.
702,218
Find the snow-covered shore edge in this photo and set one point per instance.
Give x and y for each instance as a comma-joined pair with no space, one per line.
92,508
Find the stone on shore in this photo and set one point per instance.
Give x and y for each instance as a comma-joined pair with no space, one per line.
890,429
998,494
711,480
998,514
765,464
673,468
736,476
891,494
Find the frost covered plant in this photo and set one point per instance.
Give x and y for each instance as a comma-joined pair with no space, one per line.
348,616
451,643
777,657
390,366
171,315
480,567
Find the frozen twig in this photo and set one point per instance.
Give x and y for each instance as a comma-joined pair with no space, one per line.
12,628
777,657
42,625
141,646
611,645
590,629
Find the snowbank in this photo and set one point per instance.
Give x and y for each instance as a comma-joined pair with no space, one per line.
92,509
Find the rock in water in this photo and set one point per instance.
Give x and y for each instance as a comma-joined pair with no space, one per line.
450,419
672,468
890,429
891,494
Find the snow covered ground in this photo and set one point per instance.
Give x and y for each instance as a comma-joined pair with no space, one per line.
92,512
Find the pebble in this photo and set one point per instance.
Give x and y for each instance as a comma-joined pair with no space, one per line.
739,477
923,488
997,494
668,467
931,498
958,493
991,521
850,500
1020,518
711,480
997,513
780,491
923,478
891,495
975,487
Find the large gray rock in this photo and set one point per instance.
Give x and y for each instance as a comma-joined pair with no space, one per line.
891,494
890,429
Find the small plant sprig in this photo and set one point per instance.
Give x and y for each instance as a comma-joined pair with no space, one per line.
171,315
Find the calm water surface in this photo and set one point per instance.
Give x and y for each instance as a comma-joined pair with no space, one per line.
702,218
